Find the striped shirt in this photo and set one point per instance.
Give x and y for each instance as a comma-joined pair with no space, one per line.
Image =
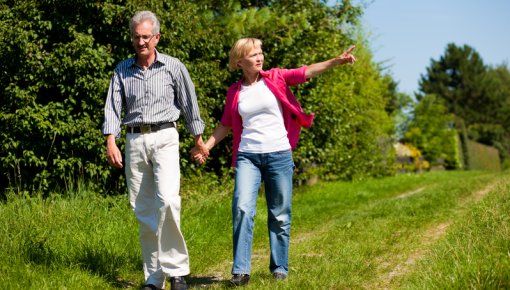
152,96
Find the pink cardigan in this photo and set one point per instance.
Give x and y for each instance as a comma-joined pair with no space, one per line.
278,81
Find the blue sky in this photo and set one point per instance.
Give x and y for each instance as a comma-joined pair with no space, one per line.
406,34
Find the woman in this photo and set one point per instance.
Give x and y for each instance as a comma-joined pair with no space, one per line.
265,119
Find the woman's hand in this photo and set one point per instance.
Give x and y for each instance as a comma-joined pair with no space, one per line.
316,69
347,57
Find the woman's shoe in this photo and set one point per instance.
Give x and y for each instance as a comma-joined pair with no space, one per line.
240,279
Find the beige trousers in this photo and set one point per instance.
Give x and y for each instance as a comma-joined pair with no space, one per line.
153,178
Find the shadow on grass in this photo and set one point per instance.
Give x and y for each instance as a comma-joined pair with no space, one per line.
106,264
99,261
204,282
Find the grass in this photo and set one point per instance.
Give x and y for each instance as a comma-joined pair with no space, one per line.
475,254
428,231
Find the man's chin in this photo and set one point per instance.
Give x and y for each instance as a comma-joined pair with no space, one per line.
142,51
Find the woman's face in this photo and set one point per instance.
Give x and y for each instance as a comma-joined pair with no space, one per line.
253,61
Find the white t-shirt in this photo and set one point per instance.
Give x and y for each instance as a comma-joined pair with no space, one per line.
263,128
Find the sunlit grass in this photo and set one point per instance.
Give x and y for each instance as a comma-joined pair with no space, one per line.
476,252
409,231
51,242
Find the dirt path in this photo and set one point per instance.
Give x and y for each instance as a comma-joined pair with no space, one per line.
409,193
391,269
429,237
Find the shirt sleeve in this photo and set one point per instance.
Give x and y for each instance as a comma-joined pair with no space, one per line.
113,107
187,101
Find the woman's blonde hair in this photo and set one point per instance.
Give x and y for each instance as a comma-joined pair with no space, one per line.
240,49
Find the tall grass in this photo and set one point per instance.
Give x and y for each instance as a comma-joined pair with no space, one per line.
476,252
371,234
60,242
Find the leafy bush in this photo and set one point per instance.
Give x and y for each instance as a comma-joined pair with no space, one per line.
55,76
60,55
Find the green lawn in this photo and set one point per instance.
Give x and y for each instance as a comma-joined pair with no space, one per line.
440,230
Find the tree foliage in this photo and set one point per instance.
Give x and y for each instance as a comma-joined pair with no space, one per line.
58,58
432,130
476,93
458,78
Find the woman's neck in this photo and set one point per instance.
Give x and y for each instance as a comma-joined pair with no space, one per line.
251,79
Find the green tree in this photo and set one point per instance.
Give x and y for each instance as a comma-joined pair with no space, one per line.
432,131
458,77
474,92
493,126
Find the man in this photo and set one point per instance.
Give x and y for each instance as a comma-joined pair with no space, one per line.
152,89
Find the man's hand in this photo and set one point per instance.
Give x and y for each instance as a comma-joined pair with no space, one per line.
113,154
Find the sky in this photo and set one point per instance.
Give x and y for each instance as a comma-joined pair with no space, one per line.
406,34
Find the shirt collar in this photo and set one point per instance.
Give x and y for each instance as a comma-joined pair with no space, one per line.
156,60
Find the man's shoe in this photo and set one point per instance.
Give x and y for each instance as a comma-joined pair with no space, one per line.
240,279
279,276
178,283
150,287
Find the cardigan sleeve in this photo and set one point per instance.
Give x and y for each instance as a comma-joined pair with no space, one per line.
227,118
294,76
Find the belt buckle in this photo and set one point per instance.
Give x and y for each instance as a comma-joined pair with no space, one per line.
145,129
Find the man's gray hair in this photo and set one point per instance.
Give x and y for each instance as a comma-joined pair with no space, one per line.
142,16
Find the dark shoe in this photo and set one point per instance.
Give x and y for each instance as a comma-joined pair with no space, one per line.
178,283
150,287
240,279
279,276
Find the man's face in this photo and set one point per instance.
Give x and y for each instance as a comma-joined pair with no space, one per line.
144,41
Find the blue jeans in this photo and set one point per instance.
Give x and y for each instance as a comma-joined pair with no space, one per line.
276,170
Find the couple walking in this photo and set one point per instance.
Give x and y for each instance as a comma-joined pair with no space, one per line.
150,91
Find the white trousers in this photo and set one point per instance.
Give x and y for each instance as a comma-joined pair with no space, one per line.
153,178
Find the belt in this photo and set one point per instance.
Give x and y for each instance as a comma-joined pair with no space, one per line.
150,128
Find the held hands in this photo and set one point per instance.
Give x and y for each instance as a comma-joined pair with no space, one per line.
199,153
347,57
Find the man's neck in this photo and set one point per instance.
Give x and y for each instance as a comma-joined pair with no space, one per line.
145,62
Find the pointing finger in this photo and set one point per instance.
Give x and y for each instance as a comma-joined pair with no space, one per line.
350,49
